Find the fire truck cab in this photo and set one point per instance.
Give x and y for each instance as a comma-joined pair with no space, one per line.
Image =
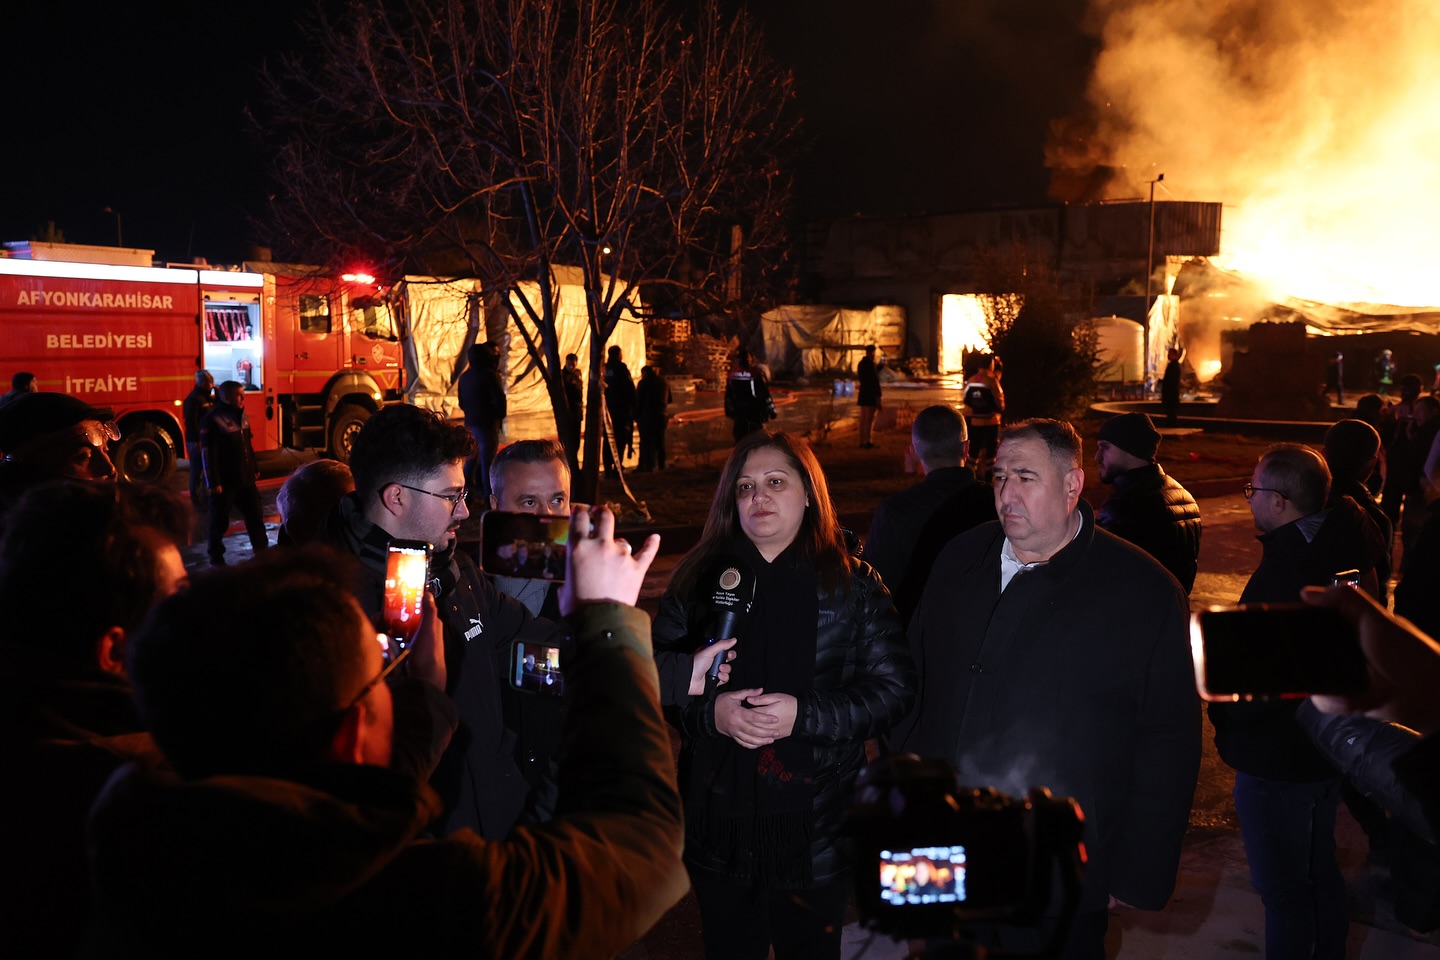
316,353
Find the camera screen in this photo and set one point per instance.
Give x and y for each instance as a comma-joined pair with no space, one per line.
922,875
537,669
524,545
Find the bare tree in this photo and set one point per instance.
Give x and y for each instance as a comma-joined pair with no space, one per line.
502,139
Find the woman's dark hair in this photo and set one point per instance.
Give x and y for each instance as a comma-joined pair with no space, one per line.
819,536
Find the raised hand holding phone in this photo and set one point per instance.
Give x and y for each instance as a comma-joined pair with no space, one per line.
427,653
600,568
1403,663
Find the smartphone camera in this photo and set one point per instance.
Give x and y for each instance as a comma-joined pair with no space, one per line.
1275,652
1346,578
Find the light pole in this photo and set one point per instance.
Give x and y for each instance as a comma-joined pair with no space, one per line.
120,237
1149,273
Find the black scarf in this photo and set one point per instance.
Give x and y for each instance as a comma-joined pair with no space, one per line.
751,810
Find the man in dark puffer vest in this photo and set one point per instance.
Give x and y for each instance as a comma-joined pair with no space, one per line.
1147,507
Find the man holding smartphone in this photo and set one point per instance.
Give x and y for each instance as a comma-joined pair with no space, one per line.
409,469
291,816
533,476
1286,791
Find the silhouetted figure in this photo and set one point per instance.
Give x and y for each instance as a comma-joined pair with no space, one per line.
620,403
747,397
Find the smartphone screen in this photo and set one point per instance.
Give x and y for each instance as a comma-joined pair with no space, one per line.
524,545
537,669
406,571
1275,652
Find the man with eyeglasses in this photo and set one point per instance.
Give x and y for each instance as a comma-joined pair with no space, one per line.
409,470
1285,789
296,812
46,436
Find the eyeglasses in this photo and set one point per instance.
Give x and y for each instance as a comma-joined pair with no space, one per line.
454,499
1251,490
389,668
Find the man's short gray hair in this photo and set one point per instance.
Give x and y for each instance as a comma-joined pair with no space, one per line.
1298,472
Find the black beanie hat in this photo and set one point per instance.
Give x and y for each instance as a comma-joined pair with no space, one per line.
1133,433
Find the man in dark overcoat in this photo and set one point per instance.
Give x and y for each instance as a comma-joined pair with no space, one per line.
1053,653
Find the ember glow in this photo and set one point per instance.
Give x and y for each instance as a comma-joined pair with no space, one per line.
1316,122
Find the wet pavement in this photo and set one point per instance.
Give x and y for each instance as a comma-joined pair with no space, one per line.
1214,912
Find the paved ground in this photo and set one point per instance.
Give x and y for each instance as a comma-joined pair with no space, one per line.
1214,913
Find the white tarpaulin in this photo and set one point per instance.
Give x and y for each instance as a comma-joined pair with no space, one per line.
524,386
439,320
440,316
816,339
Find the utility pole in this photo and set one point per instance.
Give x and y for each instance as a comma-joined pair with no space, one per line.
1145,379
120,237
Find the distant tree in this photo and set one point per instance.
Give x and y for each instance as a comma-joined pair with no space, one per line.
502,139
1040,329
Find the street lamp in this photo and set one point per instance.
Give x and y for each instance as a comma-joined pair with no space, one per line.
120,237
1149,273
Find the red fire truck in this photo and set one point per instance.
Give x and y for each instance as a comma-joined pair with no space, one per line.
317,354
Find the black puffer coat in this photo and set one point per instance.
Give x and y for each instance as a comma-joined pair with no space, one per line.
864,683
1151,510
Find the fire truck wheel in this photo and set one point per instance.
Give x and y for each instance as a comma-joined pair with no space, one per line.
346,423
145,455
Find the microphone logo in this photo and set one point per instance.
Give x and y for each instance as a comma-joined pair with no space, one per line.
730,579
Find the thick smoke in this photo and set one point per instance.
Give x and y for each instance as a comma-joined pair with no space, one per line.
1316,122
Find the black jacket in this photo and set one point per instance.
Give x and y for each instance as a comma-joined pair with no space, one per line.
481,393
229,457
1383,548
652,399
747,396
619,391
67,729
1077,677
1264,739
864,684
1151,510
1417,595
479,778
197,403
868,373
910,529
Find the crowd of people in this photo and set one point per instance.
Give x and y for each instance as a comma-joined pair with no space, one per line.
222,762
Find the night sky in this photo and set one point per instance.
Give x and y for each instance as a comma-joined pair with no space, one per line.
911,106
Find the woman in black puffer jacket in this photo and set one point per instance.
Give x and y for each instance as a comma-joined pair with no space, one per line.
769,760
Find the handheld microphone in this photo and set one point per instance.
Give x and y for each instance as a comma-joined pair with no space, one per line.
728,593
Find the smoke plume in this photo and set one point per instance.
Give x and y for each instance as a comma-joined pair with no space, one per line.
1316,123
